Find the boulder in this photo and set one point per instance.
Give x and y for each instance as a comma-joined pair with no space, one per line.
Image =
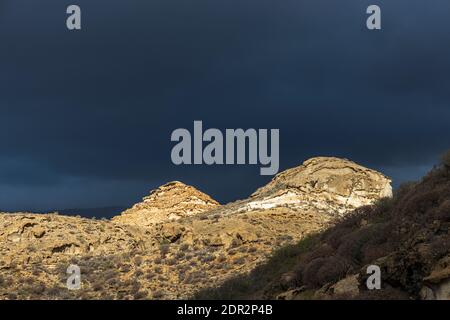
348,287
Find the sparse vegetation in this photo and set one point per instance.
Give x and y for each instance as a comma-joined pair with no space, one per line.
164,249
245,287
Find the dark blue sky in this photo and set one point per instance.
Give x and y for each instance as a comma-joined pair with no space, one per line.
86,117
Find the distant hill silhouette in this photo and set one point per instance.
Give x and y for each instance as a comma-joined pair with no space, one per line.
100,212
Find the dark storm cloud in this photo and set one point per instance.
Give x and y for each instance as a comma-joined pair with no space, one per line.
90,113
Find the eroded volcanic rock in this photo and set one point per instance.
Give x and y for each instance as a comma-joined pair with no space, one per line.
169,202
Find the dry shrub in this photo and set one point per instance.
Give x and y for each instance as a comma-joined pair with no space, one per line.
335,236
372,252
443,212
404,189
323,251
308,273
445,159
140,295
138,260
325,270
352,244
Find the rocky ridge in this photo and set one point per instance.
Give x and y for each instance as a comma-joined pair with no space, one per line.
178,239
310,197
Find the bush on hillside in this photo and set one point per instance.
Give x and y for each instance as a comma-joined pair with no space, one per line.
445,159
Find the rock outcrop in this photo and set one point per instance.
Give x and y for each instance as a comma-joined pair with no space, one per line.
437,284
169,202
33,238
323,184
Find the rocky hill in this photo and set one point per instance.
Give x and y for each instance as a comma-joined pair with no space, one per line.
169,202
326,185
178,240
406,236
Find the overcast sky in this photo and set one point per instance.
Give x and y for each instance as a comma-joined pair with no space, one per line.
86,116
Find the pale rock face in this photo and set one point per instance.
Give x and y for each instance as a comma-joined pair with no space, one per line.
328,185
288,198
348,286
437,284
440,291
169,202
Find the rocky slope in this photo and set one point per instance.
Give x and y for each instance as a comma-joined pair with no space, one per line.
407,237
178,240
